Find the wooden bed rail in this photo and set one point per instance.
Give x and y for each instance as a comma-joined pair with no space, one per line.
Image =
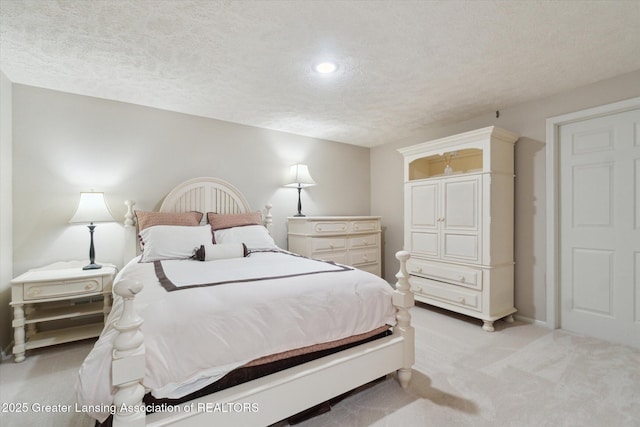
336,373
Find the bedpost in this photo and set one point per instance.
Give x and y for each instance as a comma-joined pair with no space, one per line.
129,251
403,300
268,219
128,364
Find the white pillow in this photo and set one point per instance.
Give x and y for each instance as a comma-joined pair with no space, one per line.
254,236
172,241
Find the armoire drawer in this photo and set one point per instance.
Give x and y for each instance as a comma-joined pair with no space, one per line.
461,276
448,293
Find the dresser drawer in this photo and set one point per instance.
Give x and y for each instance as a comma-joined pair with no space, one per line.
364,241
330,227
319,244
56,289
447,293
462,276
363,256
364,226
339,257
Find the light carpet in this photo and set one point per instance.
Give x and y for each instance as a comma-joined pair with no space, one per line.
520,375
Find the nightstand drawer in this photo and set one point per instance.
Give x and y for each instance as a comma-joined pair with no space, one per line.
58,289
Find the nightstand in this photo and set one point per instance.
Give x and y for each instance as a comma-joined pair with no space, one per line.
59,303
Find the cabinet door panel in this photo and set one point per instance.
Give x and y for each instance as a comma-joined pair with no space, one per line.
424,243
463,247
461,202
424,205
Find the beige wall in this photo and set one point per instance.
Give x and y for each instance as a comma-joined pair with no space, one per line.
64,144
529,121
6,252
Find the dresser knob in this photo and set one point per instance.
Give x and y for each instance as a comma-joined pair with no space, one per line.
88,287
462,279
461,300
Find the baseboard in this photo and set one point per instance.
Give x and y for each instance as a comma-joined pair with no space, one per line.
536,322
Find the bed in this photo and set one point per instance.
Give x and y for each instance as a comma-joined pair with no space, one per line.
181,325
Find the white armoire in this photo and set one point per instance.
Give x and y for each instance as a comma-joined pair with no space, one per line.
458,222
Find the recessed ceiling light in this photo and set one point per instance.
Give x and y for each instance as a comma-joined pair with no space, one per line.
326,67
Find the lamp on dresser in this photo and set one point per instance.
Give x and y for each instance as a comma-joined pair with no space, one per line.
299,178
92,208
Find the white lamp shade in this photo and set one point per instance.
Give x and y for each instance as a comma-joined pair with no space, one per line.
299,176
92,208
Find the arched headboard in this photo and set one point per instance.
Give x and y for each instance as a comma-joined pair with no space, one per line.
204,195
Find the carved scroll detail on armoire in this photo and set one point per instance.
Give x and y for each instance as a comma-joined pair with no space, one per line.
458,222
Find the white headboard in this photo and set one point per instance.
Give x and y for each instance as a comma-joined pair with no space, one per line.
204,195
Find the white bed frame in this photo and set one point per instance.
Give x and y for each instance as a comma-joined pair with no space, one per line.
266,400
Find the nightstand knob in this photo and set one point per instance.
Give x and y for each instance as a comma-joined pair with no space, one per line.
34,292
88,287
462,279
365,257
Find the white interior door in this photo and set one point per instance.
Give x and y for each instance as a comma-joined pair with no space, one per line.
599,216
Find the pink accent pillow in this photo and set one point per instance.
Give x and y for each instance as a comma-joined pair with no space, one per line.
149,219
221,221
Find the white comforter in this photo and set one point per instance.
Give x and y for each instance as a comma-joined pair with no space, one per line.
195,336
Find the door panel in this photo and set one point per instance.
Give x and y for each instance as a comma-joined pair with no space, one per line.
599,203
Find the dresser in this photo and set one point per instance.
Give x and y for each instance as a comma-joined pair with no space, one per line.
458,222
59,303
349,240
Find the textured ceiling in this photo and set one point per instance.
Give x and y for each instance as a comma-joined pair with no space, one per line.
402,64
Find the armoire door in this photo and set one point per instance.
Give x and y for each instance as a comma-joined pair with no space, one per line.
599,203
422,208
460,218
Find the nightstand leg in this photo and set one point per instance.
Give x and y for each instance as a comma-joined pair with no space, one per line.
18,332
107,307
31,327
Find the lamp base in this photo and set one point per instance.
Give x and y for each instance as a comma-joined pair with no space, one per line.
92,266
299,214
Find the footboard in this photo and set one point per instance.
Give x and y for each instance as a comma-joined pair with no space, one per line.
271,398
